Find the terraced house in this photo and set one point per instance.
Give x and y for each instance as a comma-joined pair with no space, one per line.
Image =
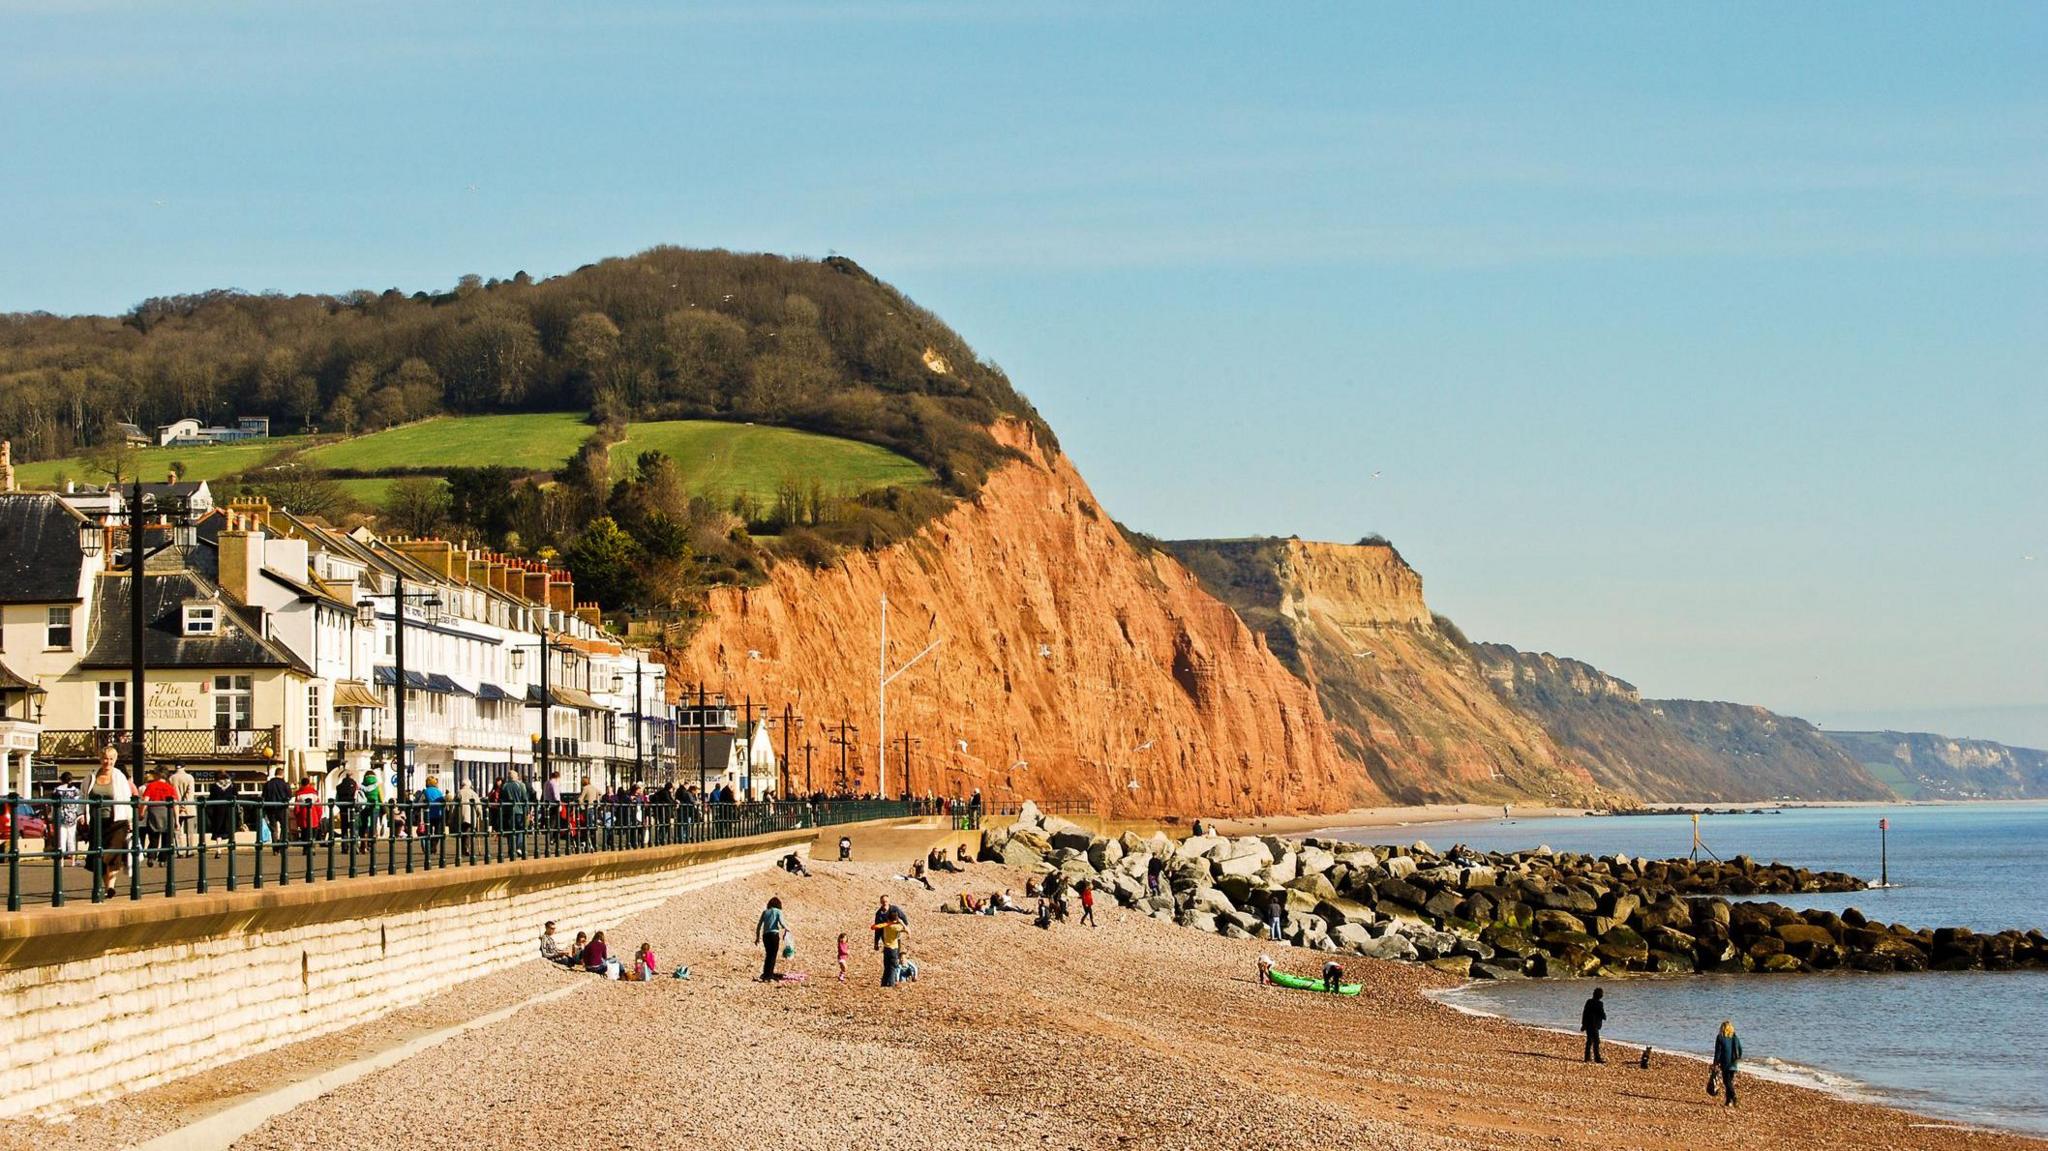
273,640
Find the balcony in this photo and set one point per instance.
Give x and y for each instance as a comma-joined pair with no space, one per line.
219,744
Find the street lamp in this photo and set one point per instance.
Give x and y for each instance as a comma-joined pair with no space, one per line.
366,616
175,510
547,703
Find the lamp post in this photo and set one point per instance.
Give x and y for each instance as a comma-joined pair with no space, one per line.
91,539
883,678
366,615
547,703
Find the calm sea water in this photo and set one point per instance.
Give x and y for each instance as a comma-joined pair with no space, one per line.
1965,1046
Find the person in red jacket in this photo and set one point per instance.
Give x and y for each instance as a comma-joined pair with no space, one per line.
1088,904
306,811
157,816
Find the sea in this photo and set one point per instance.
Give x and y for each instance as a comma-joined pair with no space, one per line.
1961,1047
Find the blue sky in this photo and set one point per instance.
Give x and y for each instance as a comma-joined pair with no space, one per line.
1706,343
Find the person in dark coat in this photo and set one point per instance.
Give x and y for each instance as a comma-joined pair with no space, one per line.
277,803
517,799
221,814
1591,1019
1727,1054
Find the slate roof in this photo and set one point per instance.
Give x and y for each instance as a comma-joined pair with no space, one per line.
40,559
235,644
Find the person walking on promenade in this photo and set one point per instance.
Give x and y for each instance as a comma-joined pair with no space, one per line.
223,813
372,798
517,799
346,792
1727,1054
69,812
112,816
187,830
769,931
158,815
469,816
1591,1018
277,803
1087,890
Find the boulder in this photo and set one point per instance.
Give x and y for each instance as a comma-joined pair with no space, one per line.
1209,901
1458,965
1778,963
1033,839
1351,937
1400,866
1314,861
1803,938
1622,947
1238,889
1619,906
1301,902
1496,971
1067,834
1443,904
1017,853
1389,946
1547,922
1508,939
1285,866
1317,887
1340,910
1400,891
1247,864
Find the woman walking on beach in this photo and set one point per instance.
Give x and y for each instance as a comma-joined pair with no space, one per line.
768,932
1727,1053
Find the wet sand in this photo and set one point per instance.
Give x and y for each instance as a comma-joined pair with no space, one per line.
1139,1034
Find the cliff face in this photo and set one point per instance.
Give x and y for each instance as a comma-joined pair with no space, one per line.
1403,699
1673,749
1064,650
1922,765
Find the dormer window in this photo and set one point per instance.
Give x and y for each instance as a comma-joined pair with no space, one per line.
202,618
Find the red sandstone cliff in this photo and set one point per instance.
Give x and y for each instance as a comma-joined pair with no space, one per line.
1064,649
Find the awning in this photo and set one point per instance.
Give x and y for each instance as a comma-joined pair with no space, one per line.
565,697
492,693
355,693
417,681
441,683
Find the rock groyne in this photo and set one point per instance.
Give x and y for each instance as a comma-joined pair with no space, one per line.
1491,915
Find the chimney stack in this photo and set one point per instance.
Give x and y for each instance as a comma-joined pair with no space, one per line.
241,556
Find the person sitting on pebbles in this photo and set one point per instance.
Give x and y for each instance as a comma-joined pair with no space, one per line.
1265,970
644,967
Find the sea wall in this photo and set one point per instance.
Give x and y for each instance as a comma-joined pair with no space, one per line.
111,998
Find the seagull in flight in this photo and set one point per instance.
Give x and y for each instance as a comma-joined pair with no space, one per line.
1375,474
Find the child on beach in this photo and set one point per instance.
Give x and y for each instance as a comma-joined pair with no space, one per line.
842,957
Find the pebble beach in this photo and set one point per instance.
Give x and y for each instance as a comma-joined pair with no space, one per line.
1136,1034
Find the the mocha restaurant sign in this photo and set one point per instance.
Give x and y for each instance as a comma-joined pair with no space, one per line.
177,705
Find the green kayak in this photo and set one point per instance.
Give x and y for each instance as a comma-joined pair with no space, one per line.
1305,984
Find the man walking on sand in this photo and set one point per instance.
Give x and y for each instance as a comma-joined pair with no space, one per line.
1590,1021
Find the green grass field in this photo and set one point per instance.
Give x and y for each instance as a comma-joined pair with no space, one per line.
539,442
201,462
726,460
